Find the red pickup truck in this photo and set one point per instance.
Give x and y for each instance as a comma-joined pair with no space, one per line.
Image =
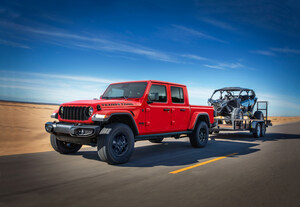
129,112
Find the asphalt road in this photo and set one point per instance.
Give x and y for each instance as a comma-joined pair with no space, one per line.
264,172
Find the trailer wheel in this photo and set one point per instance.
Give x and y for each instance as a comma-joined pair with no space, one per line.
158,140
257,130
63,147
199,136
263,129
115,143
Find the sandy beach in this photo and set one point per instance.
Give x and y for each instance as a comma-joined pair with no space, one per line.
22,126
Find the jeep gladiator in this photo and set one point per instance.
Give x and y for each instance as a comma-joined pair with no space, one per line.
129,112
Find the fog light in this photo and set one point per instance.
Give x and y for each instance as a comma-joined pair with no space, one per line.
82,131
49,128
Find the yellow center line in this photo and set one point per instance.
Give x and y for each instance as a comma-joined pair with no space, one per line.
201,163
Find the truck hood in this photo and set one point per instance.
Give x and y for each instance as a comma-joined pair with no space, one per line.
116,103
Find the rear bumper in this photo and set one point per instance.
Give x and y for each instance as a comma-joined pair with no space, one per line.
74,130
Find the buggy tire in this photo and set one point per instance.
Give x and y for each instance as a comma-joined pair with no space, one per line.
115,143
237,113
63,147
199,136
157,140
258,115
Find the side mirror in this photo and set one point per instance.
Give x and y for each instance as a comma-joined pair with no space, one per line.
149,100
101,96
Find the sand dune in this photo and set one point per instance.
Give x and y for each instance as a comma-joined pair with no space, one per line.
22,127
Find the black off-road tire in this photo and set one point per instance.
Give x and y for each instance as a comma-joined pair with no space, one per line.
63,147
237,113
199,136
259,115
257,130
158,140
263,129
115,143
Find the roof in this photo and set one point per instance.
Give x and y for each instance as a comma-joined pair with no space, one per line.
153,81
234,89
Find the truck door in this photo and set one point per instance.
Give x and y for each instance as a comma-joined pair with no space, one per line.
180,109
158,110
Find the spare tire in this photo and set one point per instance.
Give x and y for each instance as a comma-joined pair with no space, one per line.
258,115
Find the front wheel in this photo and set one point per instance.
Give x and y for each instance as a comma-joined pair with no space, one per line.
115,143
199,136
63,147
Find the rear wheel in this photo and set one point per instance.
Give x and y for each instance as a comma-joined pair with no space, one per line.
63,147
257,130
158,140
199,136
115,143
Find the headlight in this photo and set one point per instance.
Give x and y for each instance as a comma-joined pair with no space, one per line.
91,111
61,110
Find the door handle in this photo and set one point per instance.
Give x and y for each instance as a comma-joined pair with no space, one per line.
166,109
182,109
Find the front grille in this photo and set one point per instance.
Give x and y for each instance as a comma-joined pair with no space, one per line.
75,113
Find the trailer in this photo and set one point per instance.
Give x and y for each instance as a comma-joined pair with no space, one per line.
248,123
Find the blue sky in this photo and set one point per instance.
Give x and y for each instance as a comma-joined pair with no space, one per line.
58,51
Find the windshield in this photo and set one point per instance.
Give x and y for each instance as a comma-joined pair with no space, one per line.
125,90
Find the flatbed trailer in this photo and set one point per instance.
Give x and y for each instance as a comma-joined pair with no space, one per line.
255,126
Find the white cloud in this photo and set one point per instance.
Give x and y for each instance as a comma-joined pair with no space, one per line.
286,50
263,52
54,76
220,24
224,66
195,57
13,44
214,67
196,33
51,88
98,43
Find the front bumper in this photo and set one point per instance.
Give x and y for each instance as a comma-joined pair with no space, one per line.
74,130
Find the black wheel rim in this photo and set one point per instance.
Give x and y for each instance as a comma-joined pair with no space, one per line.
202,135
120,144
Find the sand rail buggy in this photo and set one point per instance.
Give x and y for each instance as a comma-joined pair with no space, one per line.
233,102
